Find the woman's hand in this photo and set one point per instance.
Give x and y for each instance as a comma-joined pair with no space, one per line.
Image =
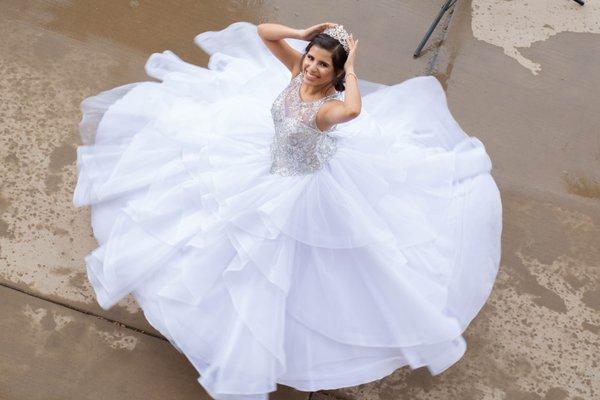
309,33
349,65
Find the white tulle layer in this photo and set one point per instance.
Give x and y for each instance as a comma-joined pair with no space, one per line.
332,279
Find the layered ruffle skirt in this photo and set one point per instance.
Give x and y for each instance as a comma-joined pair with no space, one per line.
379,260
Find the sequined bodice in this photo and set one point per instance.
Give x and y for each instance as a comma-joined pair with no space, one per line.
298,146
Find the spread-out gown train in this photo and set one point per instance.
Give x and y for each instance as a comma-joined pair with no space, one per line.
376,258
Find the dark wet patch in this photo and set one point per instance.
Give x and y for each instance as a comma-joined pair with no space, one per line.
4,204
59,231
591,328
47,322
550,300
87,21
524,282
444,76
79,280
584,186
556,394
497,378
5,230
444,65
62,271
62,155
591,298
52,183
516,394
288,393
574,281
11,158
544,233
422,379
50,48
521,367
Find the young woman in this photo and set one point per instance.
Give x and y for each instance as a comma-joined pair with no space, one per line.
276,227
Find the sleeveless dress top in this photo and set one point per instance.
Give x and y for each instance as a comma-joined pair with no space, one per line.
298,146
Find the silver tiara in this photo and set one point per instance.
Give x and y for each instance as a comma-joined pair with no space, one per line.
339,33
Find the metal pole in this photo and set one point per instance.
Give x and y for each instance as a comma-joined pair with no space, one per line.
445,7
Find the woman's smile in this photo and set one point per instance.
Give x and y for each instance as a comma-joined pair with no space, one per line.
310,77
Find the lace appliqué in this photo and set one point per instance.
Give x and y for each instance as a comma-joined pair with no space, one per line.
298,146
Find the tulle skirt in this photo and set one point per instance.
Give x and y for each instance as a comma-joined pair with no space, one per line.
379,260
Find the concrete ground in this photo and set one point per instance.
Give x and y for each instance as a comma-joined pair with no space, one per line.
521,76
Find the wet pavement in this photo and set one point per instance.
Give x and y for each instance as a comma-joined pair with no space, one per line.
522,77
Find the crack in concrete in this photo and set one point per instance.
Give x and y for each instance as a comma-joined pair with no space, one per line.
312,395
66,305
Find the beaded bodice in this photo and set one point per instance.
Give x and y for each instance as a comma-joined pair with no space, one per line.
298,146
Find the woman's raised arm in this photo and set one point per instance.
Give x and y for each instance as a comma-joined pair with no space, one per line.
273,34
336,112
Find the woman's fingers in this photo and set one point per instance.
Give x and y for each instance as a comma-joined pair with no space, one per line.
351,41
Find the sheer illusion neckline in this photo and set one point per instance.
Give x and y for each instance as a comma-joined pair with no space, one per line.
300,78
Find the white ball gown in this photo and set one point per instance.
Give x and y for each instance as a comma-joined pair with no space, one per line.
269,252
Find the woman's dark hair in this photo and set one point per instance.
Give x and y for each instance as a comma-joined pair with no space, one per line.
338,57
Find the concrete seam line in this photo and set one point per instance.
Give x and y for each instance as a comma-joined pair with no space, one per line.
66,305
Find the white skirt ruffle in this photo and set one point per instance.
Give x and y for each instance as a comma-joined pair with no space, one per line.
319,281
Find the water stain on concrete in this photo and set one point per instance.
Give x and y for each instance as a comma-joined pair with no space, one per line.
4,203
513,25
444,76
526,282
60,321
111,26
591,298
43,84
595,329
79,279
45,321
35,315
574,281
52,183
556,393
5,230
61,156
11,159
116,340
584,186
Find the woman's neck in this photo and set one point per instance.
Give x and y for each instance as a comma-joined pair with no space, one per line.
315,92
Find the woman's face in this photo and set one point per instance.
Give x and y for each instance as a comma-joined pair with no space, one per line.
317,66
